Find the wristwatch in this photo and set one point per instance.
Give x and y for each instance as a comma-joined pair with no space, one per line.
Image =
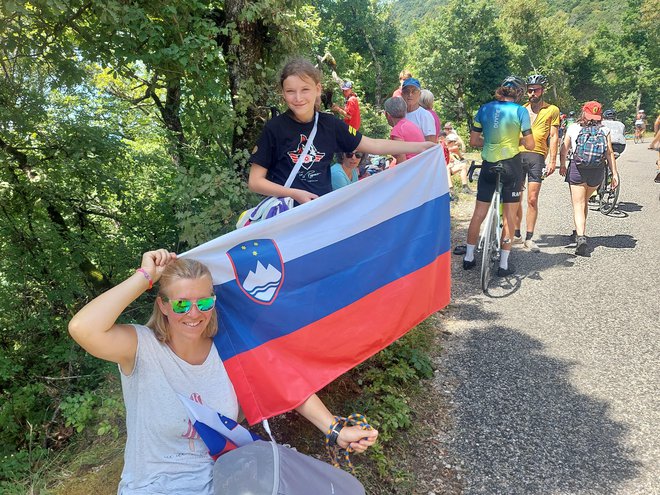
334,434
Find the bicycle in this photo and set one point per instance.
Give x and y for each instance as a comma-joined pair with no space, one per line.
491,234
639,134
608,196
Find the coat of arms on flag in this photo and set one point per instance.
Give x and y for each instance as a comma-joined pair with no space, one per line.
258,269
309,294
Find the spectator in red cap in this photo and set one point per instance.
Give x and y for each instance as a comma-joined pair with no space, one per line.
351,110
582,143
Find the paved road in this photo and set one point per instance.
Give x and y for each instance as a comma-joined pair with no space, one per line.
558,373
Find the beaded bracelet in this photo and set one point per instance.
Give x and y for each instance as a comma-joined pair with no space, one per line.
334,450
147,276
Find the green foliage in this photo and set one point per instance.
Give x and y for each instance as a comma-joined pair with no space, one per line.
93,408
374,124
388,381
362,38
465,72
391,376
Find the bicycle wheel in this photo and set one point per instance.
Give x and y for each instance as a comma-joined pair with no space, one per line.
636,138
490,239
610,196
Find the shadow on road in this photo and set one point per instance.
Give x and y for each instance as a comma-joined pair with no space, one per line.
528,265
629,207
522,428
619,241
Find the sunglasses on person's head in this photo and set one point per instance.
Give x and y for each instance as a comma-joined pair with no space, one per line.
534,90
356,155
183,306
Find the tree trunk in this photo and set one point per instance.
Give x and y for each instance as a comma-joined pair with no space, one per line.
379,70
244,78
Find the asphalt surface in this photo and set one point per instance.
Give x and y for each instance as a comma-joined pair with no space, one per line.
556,374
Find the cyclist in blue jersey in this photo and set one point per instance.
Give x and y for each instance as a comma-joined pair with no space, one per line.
497,128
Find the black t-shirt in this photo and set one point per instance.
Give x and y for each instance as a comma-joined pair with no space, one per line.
283,140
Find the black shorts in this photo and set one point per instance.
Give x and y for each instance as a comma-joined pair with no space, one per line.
512,180
592,176
532,165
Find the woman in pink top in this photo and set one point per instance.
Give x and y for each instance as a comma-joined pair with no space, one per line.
402,129
426,99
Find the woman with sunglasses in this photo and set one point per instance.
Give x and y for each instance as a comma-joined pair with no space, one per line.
345,171
172,354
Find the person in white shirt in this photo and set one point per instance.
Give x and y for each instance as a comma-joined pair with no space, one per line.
617,131
422,118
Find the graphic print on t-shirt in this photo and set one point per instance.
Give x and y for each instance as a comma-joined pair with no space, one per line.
191,434
312,157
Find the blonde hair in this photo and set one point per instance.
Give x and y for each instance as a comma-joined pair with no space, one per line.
404,74
182,268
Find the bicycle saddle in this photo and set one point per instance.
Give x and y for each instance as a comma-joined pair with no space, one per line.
497,168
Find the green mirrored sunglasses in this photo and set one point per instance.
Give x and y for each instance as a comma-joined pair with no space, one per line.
182,306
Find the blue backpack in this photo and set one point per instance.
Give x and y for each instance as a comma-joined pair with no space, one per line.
590,148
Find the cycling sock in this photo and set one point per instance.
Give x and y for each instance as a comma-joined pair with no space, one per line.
469,252
517,233
529,235
504,259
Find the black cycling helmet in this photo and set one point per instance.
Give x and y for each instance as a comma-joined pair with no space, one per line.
537,79
609,114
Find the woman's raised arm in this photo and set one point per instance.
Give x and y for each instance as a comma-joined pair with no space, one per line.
94,327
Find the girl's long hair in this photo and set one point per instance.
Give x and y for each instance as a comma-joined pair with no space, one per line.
182,268
585,122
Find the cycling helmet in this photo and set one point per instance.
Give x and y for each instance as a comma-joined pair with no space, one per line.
516,83
537,79
609,114
513,82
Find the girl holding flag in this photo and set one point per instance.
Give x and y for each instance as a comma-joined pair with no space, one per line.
174,353
284,137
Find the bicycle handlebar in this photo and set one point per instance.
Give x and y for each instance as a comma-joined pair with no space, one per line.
497,168
473,167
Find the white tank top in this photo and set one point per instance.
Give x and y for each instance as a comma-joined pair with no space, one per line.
164,454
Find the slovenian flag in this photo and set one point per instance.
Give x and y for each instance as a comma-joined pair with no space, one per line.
220,433
309,294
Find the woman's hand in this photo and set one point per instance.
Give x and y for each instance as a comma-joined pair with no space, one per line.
615,180
301,196
154,262
356,438
562,170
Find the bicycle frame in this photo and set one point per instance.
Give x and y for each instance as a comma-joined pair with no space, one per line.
490,238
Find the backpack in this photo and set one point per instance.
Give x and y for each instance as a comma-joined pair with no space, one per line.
590,148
